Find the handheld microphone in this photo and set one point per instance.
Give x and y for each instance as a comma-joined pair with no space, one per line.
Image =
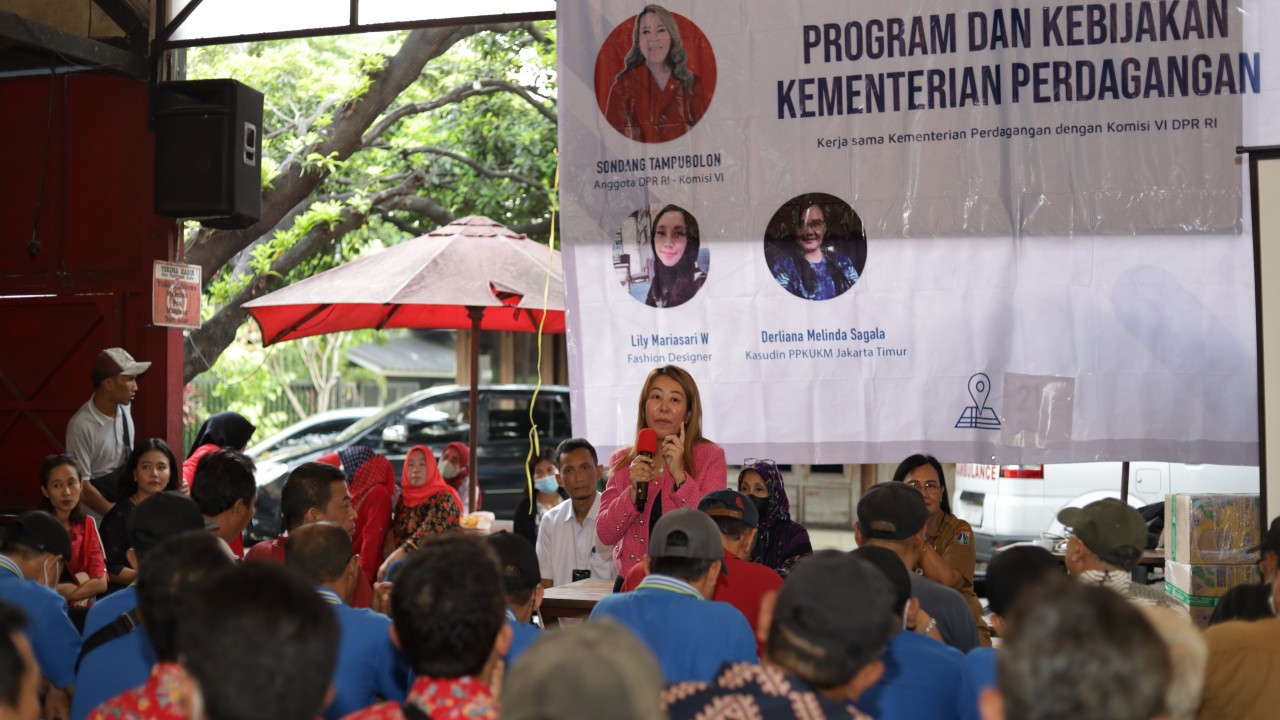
647,445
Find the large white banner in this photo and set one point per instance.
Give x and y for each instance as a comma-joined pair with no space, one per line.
997,232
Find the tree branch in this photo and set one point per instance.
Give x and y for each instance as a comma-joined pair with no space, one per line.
524,93
481,169
211,250
206,343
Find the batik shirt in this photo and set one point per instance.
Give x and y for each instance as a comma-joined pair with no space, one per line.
162,697
464,698
753,692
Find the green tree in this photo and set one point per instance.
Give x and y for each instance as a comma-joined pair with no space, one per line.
373,139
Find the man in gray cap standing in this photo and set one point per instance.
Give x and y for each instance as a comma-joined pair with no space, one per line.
101,432
825,633
690,635
1107,538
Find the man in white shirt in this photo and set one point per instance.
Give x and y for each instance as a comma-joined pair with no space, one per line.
101,433
567,545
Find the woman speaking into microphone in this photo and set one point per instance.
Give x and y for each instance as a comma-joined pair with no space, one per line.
682,468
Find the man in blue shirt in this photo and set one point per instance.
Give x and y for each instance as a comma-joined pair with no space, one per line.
124,661
522,583
33,549
921,674
370,668
1009,574
825,632
690,635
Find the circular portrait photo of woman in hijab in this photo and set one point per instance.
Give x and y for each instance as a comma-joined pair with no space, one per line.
815,246
655,75
658,256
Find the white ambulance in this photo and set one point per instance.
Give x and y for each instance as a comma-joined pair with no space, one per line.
1016,503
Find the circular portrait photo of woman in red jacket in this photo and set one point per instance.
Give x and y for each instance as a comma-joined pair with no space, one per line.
655,75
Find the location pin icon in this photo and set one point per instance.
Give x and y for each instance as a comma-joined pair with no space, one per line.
979,389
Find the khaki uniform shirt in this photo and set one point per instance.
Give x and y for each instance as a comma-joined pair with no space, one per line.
952,538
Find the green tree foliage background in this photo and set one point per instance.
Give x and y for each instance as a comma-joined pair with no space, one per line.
369,140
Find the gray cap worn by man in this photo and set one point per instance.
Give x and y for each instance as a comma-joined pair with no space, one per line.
584,672
893,515
101,433
1106,543
690,637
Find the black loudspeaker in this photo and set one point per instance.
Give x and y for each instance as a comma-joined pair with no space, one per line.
208,152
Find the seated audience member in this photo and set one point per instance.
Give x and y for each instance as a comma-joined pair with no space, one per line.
690,636
1244,662
1253,601
781,542
427,506
892,516
948,555
585,672
20,674
372,483
522,583
1010,573
259,644
226,429
33,547
172,576
226,492
567,549
921,675
824,636
117,653
370,668
447,619
1187,657
547,493
1078,651
85,577
742,584
313,492
149,470
1107,538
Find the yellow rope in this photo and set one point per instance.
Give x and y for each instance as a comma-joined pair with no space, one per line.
535,448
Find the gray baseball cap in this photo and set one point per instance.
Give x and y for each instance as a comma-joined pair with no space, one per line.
686,533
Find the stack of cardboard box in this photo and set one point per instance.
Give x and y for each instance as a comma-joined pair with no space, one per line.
1207,548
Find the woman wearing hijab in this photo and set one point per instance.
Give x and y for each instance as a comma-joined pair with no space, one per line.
781,542
675,241
455,466
224,429
372,482
426,506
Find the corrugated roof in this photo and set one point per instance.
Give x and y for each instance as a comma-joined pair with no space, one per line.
408,357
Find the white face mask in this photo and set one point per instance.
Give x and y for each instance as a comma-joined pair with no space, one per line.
449,470
546,484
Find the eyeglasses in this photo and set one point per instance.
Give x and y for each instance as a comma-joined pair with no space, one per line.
748,462
929,487
815,224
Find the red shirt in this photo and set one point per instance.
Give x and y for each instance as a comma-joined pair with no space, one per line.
464,698
162,697
273,551
742,586
373,519
86,550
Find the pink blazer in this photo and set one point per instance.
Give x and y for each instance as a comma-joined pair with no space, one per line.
627,529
